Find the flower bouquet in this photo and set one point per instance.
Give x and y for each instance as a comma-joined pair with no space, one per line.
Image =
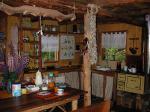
14,67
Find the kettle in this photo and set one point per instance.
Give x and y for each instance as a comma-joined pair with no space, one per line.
132,70
38,79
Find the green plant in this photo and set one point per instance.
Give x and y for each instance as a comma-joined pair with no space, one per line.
114,54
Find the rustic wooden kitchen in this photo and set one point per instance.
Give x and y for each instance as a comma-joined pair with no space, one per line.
74,55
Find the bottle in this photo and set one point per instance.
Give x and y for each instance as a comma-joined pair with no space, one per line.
51,83
38,79
119,66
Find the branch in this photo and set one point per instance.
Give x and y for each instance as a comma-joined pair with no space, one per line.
35,11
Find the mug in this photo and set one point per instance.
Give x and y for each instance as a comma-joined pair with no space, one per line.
60,91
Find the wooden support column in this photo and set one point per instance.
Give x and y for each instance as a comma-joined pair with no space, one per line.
86,68
90,51
87,79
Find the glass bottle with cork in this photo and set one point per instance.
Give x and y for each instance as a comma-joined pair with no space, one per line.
51,82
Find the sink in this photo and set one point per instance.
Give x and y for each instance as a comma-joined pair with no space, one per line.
103,68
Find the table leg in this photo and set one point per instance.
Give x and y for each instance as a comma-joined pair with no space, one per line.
74,105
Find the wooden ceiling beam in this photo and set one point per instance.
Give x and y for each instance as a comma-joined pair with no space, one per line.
106,3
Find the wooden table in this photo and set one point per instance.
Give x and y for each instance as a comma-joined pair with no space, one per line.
32,103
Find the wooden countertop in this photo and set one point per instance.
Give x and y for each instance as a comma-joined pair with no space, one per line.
111,73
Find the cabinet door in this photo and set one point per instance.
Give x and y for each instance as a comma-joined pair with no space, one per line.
134,84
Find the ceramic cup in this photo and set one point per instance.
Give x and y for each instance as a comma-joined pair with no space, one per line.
60,91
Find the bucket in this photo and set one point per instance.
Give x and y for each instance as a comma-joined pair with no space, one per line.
16,89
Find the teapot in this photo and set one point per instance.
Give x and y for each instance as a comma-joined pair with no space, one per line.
132,70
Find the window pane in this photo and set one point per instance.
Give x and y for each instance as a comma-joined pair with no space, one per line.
114,54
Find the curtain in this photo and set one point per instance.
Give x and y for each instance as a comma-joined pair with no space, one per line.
114,40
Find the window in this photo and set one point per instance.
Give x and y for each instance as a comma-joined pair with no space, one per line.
113,46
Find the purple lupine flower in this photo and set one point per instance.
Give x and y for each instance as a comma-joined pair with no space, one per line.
16,63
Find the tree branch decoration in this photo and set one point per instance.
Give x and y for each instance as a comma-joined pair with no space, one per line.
90,32
35,11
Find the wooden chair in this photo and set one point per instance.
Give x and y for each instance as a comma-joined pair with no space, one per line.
101,107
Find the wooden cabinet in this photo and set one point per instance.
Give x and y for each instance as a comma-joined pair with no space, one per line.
126,85
130,83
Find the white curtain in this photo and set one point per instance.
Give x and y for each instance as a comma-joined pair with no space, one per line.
72,78
114,40
97,85
50,43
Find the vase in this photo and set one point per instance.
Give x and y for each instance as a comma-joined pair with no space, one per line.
9,83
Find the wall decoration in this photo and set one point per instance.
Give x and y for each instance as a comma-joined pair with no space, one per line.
67,47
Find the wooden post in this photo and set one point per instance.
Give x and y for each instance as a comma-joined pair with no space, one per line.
90,54
86,69
87,79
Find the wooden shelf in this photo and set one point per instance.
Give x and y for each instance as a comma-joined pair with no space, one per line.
34,56
50,32
75,33
29,29
31,42
72,33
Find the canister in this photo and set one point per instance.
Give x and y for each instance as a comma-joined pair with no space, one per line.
16,89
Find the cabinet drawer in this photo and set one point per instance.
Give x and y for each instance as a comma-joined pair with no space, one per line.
121,77
120,86
135,84
132,82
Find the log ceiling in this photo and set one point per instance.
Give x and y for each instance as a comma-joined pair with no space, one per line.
129,11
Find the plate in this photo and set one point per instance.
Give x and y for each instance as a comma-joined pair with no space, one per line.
59,94
44,93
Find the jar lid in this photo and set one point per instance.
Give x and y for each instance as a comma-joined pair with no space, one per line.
51,74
